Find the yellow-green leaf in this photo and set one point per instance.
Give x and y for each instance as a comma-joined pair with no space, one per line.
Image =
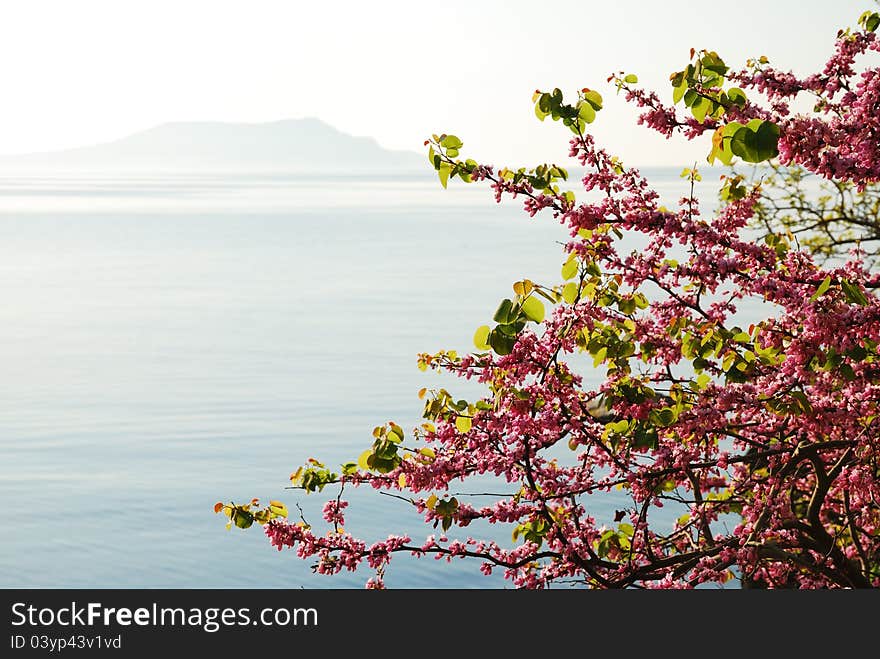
570,269
278,508
533,308
823,288
443,173
463,423
481,337
586,112
594,98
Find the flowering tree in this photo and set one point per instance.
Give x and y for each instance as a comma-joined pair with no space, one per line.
764,438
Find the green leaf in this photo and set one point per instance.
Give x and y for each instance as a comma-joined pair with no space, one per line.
278,508
384,465
533,308
663,417
857,354
803,401
631,78
853,293
736,96
721,146
870,20
618,426
594,98
645,437
700,108
451,142
729,130
721,143
570,292
500,342
444,171
823,287
463,424
570,269
756,142
586,112
513,328
679,90
545,103
481,337
504,313
242,518
712,62
767,140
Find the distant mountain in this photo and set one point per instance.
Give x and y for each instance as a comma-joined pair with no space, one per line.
289,145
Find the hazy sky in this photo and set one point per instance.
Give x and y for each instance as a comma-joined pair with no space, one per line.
76,73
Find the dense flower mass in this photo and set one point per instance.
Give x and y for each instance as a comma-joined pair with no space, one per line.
839,140
763,438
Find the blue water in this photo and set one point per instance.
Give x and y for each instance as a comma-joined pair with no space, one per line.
167,342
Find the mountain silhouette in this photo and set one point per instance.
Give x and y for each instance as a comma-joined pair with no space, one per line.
288,145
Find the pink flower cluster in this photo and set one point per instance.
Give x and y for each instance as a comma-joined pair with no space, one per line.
332,511
842,140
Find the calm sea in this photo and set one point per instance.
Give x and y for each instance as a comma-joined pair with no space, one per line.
169,341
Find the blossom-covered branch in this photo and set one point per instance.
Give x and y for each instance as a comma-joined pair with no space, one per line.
763,439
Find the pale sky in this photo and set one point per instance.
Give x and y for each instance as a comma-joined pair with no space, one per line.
80,72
